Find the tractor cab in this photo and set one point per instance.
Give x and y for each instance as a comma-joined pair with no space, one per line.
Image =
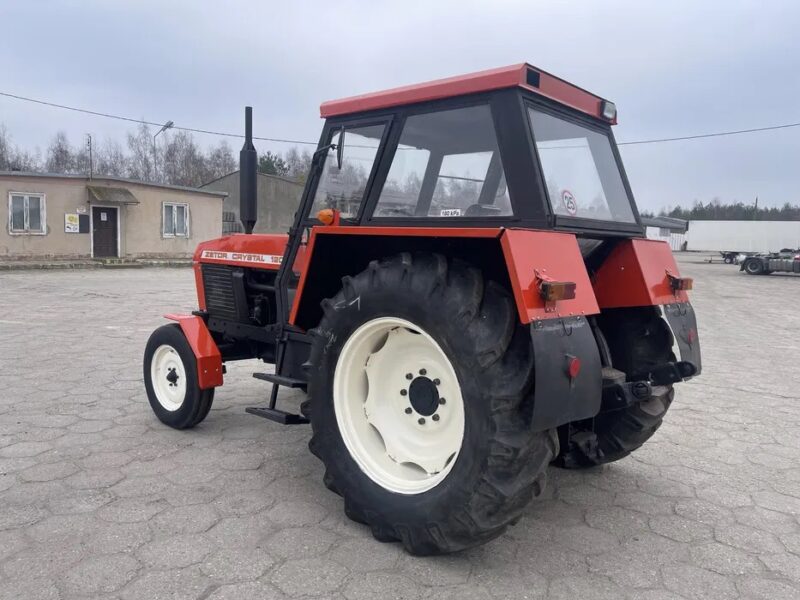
511,147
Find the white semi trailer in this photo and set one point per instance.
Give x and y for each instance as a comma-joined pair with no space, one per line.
730,238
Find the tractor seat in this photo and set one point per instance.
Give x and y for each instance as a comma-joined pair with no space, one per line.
482,210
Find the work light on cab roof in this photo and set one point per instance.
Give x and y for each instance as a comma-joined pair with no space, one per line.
457,298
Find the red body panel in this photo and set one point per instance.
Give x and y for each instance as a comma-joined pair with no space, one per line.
264,251
494,79
635,274
553,255
209,359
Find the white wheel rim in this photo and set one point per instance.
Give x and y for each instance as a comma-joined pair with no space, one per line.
168,377
403,452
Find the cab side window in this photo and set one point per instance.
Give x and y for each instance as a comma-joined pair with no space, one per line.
343,189
447,164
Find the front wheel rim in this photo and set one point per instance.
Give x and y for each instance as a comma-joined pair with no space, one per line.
398,405
168,377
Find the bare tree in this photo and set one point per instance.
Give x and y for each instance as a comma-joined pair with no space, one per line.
183,162
140,159
219,162
59,155
5,149
111,159
298,163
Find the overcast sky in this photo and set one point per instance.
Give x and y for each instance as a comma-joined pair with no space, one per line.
673,68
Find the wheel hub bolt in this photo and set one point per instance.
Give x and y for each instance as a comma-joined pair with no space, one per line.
436,382
403,392
435,417
409,376
423,372
421,421
408,410
442,401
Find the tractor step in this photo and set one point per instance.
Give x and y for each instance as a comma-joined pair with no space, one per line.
281,380
279,416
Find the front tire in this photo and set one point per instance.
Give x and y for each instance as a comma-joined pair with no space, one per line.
439,477
170,379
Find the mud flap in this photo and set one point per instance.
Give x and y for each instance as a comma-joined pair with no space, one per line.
558,397
683,323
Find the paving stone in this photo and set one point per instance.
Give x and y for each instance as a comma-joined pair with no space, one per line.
382,585
185,519
235,564
173,584
100,574
248,590
363,554
175,552
724,559
39,588
299,542
100,500
309,576
698,584
680,529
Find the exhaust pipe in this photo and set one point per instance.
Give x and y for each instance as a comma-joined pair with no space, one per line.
248,179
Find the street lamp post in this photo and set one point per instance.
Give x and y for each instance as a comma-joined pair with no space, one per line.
164,127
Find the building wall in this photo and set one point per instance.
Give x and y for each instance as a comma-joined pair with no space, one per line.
61,196
743,236
675,240
140,225
278,199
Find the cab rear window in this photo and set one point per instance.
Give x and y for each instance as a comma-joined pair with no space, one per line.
580,170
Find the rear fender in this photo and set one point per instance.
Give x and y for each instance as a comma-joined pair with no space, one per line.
209,359
637,273
559,331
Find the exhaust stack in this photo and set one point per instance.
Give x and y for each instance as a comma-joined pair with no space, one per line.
248,180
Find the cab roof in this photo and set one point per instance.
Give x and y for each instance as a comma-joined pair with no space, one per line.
523,76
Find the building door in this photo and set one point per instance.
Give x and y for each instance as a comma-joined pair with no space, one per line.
104,231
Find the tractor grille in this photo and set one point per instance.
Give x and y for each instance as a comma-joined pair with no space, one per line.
218,284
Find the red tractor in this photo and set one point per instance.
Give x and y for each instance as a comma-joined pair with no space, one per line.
466,295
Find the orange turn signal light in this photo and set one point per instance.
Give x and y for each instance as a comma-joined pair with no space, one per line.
680,284
326,216
552,291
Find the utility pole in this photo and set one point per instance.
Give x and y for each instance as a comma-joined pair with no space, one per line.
89,148
164,127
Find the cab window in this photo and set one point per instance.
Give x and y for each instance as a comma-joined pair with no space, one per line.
343,189
447,164
580,170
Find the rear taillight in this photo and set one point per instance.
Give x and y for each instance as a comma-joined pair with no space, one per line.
552,291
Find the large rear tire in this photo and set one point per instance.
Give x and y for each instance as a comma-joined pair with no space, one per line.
170,379
638,338
438,476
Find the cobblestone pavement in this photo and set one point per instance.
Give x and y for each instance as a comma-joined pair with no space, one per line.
98,499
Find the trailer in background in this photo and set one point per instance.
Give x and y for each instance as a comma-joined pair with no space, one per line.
742,237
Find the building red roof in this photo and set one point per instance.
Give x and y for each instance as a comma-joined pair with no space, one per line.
521,75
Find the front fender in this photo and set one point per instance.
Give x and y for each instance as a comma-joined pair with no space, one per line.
209,359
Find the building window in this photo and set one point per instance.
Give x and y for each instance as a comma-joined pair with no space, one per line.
664,232
26,214
176,220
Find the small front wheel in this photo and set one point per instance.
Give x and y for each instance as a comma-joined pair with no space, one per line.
170,378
